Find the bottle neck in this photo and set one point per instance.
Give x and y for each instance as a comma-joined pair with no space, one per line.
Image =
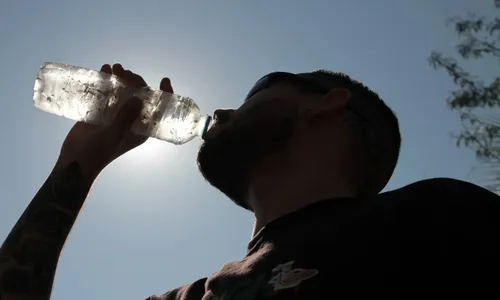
204,125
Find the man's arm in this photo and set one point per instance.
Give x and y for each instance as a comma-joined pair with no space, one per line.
29,255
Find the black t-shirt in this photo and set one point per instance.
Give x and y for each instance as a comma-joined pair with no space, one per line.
434,239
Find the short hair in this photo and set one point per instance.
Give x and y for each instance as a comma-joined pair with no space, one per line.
383,142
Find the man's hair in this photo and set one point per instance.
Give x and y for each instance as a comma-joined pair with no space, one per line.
383,142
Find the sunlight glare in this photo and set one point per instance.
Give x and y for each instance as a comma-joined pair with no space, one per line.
150,153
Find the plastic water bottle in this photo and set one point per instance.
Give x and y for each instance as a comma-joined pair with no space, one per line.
94,97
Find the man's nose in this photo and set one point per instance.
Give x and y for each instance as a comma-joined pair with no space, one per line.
222,116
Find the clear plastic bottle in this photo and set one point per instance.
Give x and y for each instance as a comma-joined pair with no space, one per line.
94,97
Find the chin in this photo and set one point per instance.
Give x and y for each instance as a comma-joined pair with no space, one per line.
224,162
230,153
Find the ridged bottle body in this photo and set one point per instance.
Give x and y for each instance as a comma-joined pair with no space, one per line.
94,97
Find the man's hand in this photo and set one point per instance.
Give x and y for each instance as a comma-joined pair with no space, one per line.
94,147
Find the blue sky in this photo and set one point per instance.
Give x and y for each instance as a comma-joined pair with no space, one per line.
151,222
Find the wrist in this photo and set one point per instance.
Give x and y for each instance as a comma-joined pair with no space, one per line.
88,174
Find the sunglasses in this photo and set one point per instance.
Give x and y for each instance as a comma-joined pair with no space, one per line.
298,79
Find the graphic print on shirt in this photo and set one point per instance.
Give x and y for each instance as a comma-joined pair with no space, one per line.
283,278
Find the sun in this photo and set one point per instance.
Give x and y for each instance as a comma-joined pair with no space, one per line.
148,154
149,158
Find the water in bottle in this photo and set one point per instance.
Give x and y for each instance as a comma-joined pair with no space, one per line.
94,97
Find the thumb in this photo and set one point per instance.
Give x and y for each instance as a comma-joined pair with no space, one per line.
125,117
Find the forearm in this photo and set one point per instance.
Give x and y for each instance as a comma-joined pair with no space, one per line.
29,255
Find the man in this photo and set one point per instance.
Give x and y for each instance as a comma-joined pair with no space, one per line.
307,154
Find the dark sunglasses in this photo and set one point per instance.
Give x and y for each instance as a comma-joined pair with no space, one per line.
300,80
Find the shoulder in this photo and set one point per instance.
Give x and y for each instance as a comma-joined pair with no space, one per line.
443,203
441,187
447,189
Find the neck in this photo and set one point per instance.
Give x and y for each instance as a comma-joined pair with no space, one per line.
282,188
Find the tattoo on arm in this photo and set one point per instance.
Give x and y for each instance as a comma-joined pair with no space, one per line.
29,255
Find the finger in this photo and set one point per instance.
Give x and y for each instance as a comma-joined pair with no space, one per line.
139,81
166,85
133,79
106,69
128,76
125,118
118,70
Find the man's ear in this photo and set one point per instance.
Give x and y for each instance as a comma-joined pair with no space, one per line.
329,104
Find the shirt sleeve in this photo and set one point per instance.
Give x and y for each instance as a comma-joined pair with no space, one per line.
193,291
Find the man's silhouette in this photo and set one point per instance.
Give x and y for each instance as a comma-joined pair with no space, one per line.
308,154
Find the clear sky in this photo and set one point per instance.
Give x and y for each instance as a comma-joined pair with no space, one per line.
151,222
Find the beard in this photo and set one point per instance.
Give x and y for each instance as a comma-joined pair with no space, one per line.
228,159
